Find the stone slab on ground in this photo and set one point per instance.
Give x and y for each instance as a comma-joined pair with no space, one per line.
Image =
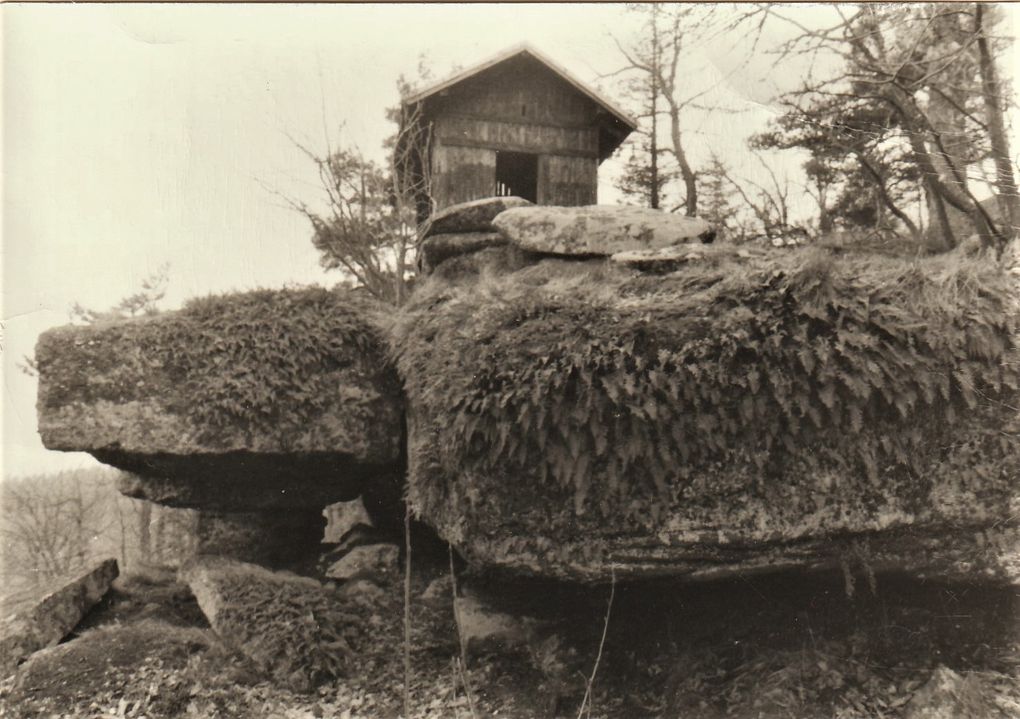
949,695
291,628
47,620
598,230
474,216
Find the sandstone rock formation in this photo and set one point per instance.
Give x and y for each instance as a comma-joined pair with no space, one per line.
668,259
748,411
47,619
437,248
462,229
258,409
598,230
595,393
475,216
274,538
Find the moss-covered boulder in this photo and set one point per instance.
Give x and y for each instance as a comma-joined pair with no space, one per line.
746,410
291,628
236,402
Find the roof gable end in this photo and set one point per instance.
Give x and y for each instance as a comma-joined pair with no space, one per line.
523,50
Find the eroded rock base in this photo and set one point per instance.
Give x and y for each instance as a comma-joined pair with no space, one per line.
270,538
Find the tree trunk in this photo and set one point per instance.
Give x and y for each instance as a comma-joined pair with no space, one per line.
123,534
1005,182
883,195
81,537
400,270
653,190
824,217
688,175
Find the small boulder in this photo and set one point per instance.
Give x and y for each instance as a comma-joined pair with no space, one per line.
342,517
49,618
437,248
484,629
474,216
375,562
948,695
598,230
438,592
364,590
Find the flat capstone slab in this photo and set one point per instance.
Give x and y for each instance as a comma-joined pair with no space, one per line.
600,230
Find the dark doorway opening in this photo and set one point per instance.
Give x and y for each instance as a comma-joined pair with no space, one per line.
517,174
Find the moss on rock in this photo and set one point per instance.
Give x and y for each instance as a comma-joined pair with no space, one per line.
261,390
750,409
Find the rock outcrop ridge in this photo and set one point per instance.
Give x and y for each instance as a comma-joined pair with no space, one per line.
600,392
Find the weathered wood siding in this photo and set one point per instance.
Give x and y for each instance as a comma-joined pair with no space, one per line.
522,90
517,136
569,181
461,174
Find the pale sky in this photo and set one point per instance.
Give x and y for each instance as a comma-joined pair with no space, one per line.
135,136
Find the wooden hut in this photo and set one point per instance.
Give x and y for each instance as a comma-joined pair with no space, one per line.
517,124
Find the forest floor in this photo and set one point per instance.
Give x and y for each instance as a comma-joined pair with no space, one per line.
757,648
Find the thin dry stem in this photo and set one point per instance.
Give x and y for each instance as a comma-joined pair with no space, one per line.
586,701
407,612
462,661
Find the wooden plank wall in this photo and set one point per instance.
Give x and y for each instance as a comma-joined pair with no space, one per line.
461,174
521,94
568,181
517,137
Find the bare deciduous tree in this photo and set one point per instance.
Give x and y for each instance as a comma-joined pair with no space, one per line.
367,227
49,521
658,84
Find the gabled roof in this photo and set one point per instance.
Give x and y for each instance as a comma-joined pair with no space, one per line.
524,49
